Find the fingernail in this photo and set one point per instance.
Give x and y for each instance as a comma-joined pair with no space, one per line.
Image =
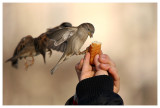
97,56
96,59
105,65
103,56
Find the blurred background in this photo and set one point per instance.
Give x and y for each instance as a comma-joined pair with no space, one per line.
128,33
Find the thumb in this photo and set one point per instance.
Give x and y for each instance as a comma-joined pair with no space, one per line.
86,61
96,62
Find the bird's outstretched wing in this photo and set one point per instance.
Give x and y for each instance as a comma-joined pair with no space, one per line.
50,31
58,39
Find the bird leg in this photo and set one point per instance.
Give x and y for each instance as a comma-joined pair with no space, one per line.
59,62
26,64
83,52
32,61
50,52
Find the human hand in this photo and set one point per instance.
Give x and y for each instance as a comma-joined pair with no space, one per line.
84,69
105,63
99,70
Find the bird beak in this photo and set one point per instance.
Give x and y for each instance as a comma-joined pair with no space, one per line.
90,34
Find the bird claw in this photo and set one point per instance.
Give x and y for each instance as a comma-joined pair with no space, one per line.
32,61
83,52
77,53
50,53
26,66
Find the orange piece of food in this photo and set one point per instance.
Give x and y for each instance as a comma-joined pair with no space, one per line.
94,49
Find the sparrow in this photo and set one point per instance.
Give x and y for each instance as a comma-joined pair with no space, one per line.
69,40
25,48
42,41
63,25
30,47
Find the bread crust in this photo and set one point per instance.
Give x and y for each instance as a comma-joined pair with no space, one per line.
94,49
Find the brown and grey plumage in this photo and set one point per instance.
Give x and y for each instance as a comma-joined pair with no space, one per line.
69,41
50,31
30,47
24,49
42,42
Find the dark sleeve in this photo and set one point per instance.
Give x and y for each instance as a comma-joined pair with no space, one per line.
97,90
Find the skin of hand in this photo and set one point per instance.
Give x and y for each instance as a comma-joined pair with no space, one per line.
103,66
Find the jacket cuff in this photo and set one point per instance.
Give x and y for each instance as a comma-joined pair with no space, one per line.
94,86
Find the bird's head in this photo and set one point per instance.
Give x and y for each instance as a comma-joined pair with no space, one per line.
66,24
90,28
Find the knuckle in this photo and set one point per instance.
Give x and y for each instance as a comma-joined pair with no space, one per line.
76,66
106,56
118,78
114,64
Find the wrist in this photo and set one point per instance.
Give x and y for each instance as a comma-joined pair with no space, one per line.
91,88
85,75
101,72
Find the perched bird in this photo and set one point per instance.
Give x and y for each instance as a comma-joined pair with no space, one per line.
69,40
24,49
30,47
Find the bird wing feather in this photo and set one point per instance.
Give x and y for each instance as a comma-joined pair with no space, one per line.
58,40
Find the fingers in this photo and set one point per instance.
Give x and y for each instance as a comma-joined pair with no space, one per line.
105,59
108,65
105,66
87,57
86,61
96,62
113,72
80,64
86,68
78,68
99,70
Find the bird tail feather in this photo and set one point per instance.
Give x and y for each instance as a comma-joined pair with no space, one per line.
14,62
59,62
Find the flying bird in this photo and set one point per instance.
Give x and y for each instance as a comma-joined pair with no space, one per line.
69,40
30,47
50,31
24,49
42,42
